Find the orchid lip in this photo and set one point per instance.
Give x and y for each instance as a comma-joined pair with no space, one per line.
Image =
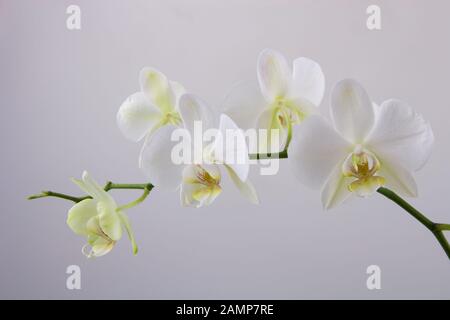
172,118
204,186
362,165
204,177
287,112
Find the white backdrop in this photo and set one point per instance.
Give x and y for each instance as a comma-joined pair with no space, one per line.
60,91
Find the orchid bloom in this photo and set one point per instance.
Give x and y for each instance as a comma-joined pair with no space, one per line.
199,181
156,105
98,219
370,146
284,97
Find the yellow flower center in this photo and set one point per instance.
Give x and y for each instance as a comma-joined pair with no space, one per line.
205,178
172,118
286,113
206,184
363,165
99,243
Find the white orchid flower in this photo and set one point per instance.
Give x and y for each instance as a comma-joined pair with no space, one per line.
285,97
199,182
156,105
369,146
98,219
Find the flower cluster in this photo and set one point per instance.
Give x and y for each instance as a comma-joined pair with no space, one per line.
357,149
364,147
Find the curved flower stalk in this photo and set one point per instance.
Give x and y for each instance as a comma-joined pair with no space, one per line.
285,97
199,180
156,105
99,219
370,146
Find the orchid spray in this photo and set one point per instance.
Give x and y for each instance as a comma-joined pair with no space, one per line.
363,148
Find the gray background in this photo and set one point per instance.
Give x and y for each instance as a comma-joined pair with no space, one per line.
60,91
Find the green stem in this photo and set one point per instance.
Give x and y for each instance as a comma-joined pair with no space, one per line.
134,203
147,187
442,226
435,228
135,186
45,194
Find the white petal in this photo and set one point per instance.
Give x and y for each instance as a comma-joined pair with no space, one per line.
80,214
185,198
308,81
98,246
96,191
246,188
244,103
109,222
194,109
186,191
232,149
301,108
178,90
147,138
351,110
335,190
401,134
397,178
315,150
157,162
126,223
205,196
156,87
274,74
137,116
92,188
